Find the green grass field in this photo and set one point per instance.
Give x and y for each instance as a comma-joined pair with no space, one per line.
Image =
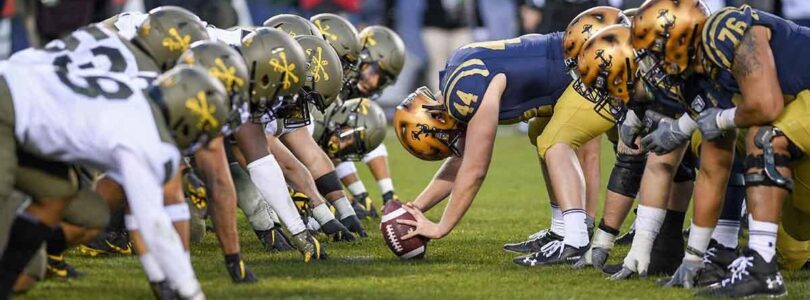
468,264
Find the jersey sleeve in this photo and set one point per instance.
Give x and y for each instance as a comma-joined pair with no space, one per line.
723,32
464,89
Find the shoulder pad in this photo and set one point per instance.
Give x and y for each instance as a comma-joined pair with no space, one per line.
723,31
463,90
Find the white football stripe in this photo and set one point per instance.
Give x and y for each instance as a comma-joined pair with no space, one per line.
413,253
393,215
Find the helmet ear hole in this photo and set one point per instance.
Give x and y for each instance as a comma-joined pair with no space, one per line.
265,81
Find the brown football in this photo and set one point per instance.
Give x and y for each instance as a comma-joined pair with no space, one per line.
392,232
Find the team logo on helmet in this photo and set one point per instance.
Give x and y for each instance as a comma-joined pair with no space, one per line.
205,112
318,67
368,39
175,42
288,69
227,75
325,30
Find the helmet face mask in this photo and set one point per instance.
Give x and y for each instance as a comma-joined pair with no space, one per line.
652,70
294,110
349,130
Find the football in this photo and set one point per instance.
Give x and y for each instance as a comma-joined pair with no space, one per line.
392,232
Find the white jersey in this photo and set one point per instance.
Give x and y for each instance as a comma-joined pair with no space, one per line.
91,47
89,118
231,37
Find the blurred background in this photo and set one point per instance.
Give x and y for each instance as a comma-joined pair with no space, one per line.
431,29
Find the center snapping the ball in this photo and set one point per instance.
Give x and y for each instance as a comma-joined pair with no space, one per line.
392,232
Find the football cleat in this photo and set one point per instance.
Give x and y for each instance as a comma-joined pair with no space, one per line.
716,261
555,252
353,224
388,196
360,204
110,243
533,244
274,239
240,273
627,238
301,203
309,247
163,291
749,275
337,231
58,268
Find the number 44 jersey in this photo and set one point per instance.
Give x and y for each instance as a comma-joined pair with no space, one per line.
89,118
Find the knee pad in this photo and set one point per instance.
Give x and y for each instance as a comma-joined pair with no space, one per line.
767,162
328,183
178,212
88,210
345,168
625,178
377,152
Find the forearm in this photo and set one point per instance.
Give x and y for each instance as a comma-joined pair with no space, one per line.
464,192
440,186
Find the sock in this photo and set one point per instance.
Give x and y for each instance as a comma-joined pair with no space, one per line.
386,185
604,236
268,178
232,258
343,208
726,233
576,232
557,223
762,238
56,243
698,242
650,219
322,214
151,268
357,188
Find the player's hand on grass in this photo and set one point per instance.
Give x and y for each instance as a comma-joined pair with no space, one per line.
685,275
423,225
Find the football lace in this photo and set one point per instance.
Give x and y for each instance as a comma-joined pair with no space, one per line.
392,236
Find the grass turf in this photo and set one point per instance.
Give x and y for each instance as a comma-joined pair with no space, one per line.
467,264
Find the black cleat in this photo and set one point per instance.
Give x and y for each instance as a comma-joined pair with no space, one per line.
715,264
749,276
240,273
274,239
58,268
363,207
163,290
110,243
555,252
390,195
338,232
353,224
627,238
533,245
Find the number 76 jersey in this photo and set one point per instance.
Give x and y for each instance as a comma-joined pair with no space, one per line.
85,116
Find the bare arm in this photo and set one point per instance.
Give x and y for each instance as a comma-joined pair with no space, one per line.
755,72
440,186
479,141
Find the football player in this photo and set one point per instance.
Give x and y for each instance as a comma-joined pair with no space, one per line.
475,92
381,58
76,118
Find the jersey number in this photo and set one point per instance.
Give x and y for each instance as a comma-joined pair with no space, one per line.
70,43
737,27
92,86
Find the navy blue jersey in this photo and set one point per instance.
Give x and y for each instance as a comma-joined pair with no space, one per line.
534,69
724,30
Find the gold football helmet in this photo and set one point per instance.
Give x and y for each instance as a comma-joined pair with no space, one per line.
424,128
666,34
607,66
585,25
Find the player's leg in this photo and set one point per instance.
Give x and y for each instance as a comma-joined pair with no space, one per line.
213,164
377,162
588,156
347,172
573,124
267,176
304,148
